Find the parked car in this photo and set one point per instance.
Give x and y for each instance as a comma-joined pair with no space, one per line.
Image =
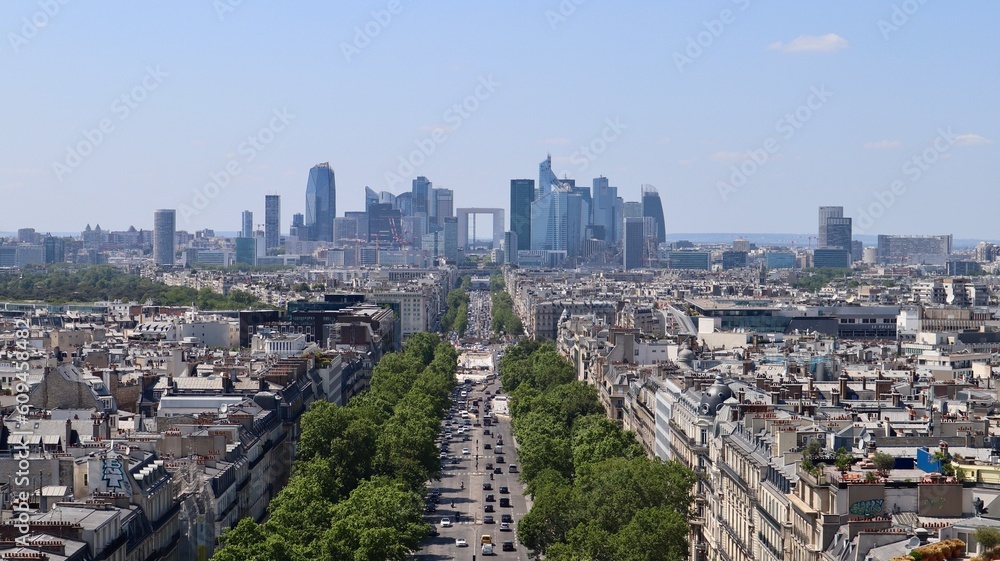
488,519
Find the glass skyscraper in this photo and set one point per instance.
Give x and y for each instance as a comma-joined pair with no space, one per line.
653,208
826,213
546,178
321,203
272,222
164,228
634,241
247,230
421,195
522,192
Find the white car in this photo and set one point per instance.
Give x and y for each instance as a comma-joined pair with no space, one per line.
460,542
465,451
446,522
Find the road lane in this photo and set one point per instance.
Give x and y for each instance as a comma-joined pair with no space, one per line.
469,502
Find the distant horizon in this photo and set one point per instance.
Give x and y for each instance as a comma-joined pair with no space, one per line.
801,241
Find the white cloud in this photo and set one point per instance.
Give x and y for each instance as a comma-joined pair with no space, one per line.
883,144
971,140
811,43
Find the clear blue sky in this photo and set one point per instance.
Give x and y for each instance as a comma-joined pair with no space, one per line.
558,80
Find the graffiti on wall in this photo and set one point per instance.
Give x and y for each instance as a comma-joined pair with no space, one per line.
872,507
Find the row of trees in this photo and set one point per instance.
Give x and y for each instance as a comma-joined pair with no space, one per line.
813,280
456,315
504,319
58,285
596,495
357,487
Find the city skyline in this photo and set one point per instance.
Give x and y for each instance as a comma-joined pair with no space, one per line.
854,107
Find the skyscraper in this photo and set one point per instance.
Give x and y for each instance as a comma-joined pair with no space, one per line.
631,209
825,213
164,229
443,205
602,209
247,230
546,178
653,208
838,233
633,244
272,222
577,217
371,197
548,221
404,203
384,225
321,203
421,195
298,228
522,193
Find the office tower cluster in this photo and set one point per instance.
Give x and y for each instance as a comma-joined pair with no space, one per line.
557,220
414,219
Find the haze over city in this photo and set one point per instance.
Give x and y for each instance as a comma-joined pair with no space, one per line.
121,108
